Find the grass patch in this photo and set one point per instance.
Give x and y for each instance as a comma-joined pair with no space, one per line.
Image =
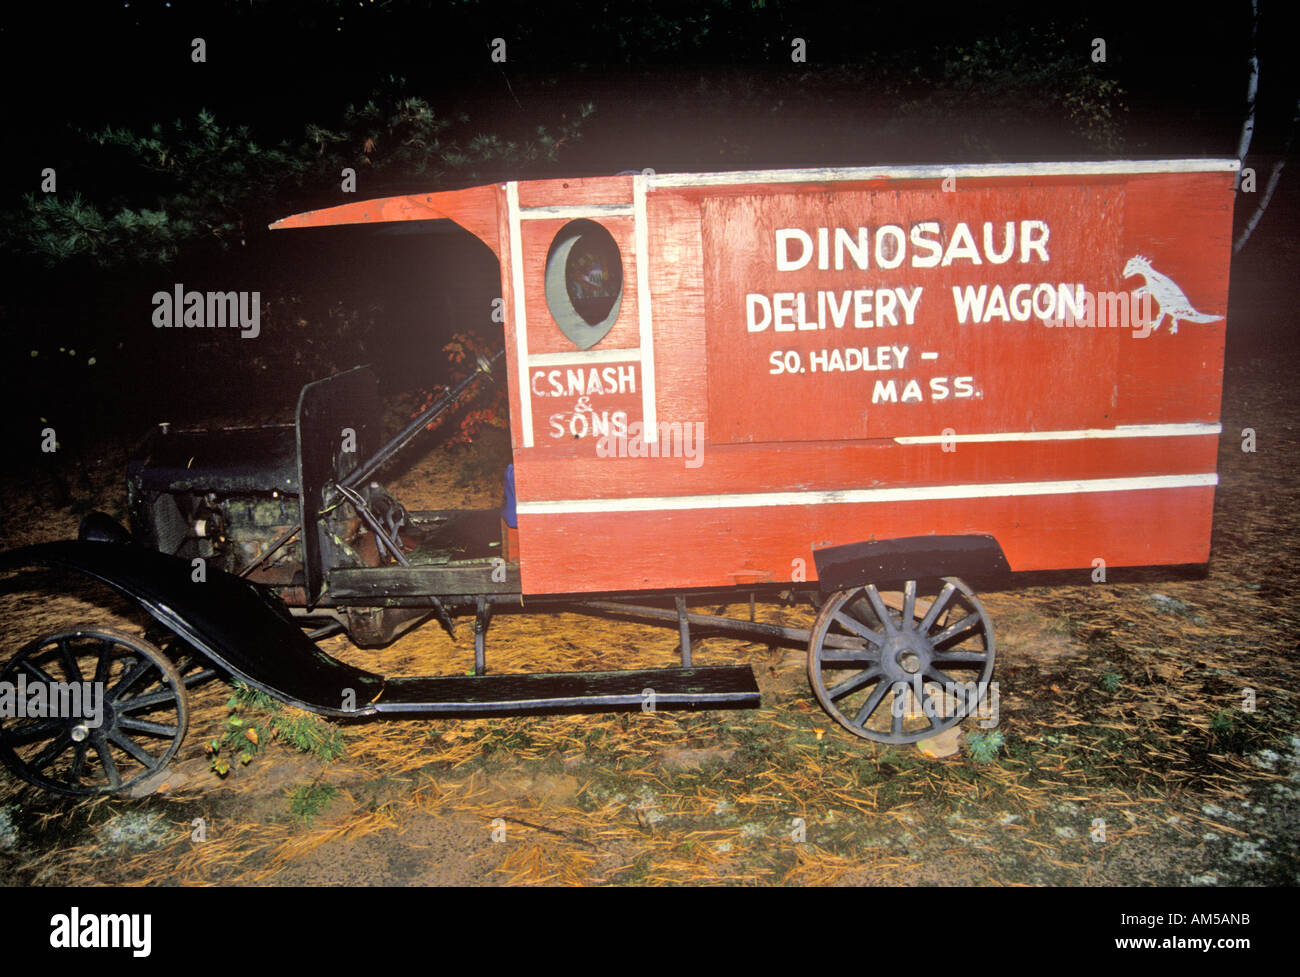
1234,731
984,747
307,801
309,734
255,718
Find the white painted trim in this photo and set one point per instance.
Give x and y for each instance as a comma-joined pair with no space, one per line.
581,356
914,493
574,211
1124,431
521,322
649,416
938,172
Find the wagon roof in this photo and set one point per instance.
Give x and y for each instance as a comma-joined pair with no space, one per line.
474,208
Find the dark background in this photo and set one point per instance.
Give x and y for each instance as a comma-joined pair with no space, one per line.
676,87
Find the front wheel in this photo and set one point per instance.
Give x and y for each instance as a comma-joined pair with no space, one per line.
99,712
905,665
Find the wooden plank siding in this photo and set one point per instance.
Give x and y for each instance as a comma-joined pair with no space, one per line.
790,404
1083,409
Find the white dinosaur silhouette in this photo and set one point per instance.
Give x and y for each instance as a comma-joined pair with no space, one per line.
1173,302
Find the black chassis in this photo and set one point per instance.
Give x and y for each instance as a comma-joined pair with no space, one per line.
208,558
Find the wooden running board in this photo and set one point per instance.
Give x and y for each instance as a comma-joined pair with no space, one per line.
716,687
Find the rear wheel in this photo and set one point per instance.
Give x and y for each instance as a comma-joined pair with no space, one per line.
99,712
917,662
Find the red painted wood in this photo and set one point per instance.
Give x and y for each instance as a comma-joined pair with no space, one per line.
1059,391
574,406
1183,222
515,391
849,465
473,209
721,547
710,248
544,335
962,184
575,192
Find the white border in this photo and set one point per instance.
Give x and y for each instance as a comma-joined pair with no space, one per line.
575,210
938,172
580,357
1125,431
644,354
521,323
649,415
915,493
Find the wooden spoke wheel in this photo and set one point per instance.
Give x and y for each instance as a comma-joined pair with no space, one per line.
143,720
898,667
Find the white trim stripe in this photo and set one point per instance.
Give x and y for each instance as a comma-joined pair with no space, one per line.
914,493
521,322
649,416
1125,431
938,172
575,210
579,357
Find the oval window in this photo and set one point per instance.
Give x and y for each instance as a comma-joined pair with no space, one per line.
584,281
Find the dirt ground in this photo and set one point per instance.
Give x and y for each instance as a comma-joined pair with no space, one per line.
1125,756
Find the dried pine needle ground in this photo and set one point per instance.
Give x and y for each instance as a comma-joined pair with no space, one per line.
1120,707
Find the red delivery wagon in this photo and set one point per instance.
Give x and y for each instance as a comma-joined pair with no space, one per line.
872,385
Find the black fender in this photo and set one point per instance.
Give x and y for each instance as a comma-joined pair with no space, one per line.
885,562
241,626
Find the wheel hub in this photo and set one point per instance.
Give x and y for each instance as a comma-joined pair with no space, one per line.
905,655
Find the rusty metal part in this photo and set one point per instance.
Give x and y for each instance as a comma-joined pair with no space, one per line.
403,438
797,636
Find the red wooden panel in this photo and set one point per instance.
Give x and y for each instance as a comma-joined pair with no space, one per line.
1183,223
576,191
704,242
587,552
716,469
474,209
510,335
575,406
859,371
961,184
677,291
544,336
